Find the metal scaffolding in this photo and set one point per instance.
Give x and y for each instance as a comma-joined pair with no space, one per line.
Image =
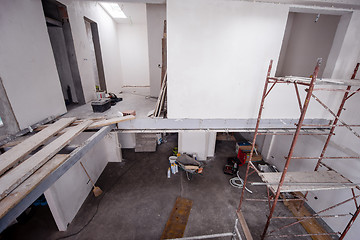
279,182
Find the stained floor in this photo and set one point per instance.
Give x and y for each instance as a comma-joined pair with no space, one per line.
138,198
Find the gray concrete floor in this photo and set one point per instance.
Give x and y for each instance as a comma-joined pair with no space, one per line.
138,198
134,98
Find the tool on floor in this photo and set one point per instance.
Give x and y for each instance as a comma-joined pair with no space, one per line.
96,190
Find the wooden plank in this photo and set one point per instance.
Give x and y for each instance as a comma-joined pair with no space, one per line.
75,156
244,226
29,184
306,177
176,224
111,121
311,225
17,175
17,153
16,141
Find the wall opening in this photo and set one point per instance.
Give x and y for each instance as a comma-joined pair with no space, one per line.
96,59
308,36
62,44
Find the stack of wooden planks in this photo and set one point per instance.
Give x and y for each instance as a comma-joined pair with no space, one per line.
161,100
33,158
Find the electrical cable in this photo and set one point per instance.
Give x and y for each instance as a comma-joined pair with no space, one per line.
236,184
98,205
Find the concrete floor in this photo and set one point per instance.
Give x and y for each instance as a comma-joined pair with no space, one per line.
134,98
138,198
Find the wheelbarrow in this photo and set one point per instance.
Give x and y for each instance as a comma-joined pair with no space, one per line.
189,165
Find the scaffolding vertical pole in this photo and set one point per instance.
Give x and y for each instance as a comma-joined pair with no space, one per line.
291,151
350,223
255,133
341,107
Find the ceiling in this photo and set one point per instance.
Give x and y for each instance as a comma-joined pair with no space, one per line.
348,4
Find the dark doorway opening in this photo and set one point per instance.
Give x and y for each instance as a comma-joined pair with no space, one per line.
94,43
62,43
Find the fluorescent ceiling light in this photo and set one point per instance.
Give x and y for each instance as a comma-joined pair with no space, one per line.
113,9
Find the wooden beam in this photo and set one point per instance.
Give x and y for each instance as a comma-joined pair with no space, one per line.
17,153
244,226
17,175
111,121
29,184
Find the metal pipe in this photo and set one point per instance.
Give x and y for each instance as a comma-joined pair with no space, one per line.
311,217
350,223
302,116
335,115
302,235
204,236
272,86
353,93
255,134
305,184
298,96
332,125
354,157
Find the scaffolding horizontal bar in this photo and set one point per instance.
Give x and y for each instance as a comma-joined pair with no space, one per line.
319,81
219,235
316,216
302,235
353,157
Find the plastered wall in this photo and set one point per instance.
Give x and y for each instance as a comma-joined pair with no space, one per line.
133,49
27,65
218,56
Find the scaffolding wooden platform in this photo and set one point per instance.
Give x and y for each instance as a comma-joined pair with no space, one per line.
306,181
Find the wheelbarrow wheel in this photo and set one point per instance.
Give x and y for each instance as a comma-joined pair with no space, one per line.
188,175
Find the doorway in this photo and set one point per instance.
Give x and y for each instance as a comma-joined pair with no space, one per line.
307,37
62,44
95,49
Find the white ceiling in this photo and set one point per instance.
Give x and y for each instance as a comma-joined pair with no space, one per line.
348,4
135,12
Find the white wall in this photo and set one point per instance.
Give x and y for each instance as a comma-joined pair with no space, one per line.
201,143
108,42
218,54
156,14
27,65
133,47
68,193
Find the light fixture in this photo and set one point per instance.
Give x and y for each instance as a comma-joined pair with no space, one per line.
113,9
